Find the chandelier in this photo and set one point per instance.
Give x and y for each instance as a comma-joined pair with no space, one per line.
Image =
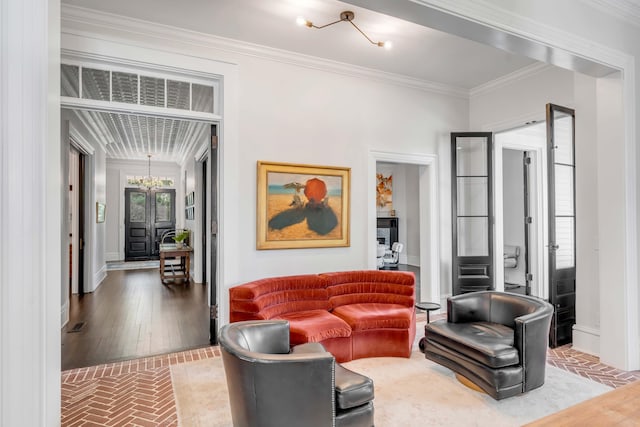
149,182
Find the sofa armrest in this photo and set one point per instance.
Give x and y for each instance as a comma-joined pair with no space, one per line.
471,307
531,338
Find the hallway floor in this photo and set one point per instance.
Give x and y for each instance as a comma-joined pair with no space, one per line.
132,315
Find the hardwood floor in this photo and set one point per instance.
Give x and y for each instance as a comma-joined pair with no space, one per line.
620,407
132,315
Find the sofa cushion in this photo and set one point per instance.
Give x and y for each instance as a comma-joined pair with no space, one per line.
490,344
269,298
361,317
314,326
370,286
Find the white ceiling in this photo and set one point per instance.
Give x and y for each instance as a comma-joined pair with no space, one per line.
418,51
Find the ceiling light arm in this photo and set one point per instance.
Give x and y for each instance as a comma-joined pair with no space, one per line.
365,36
311,24
346,16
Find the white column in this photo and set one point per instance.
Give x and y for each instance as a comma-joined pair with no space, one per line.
30,218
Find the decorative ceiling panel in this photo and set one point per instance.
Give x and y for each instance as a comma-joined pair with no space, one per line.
128,136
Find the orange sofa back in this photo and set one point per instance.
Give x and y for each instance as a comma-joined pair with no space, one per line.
271,297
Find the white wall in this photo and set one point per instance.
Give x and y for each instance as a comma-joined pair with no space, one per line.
325,118
99,229
520,100
193,183
586,332
116,173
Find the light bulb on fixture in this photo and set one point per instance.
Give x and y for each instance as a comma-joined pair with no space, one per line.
303,22
346,16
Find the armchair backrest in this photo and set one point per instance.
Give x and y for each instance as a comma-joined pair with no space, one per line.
505,307
492,306
268,386
269,337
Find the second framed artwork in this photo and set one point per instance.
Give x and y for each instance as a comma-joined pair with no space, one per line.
302,206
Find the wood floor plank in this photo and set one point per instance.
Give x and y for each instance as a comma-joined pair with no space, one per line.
620,407
131,315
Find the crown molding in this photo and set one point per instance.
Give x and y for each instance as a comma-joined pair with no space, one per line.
516,76
85,22
626,10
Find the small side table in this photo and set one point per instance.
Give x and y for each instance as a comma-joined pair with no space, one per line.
428,307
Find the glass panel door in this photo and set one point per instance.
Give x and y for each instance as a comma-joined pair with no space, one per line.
472,211
562,224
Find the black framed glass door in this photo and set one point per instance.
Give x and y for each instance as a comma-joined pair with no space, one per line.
562,222
472,211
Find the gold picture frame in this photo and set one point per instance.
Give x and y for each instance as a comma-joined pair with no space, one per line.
302,206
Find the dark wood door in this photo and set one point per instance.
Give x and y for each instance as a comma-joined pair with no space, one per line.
148,214
472,211
163,216
562,224
137,210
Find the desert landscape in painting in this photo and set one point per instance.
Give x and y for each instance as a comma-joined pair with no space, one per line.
277,203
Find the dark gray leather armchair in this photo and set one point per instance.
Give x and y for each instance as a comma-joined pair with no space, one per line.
269,385
496,340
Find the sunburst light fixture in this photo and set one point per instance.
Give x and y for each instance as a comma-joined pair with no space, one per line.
149,182
346,16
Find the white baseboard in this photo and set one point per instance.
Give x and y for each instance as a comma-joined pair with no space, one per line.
99,277
412,260
586,339
64,314
112,256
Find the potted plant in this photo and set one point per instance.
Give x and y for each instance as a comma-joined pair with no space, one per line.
180,237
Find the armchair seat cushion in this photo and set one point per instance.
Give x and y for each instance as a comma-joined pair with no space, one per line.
488,343
352,389
366,316
314,326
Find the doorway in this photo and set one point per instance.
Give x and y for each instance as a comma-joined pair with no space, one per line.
148,215
517,220
428,287
76,220
520,210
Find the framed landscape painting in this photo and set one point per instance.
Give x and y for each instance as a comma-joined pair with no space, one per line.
302,206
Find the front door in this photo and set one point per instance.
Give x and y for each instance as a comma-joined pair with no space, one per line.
472,211
148,214
562,224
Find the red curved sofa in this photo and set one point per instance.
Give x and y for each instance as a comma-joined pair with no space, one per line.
353,314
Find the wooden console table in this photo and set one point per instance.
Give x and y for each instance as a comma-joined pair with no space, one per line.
175,263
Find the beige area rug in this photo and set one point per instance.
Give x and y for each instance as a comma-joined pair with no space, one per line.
408,392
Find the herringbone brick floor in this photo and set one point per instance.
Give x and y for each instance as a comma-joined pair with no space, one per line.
131,393
589,366
139,392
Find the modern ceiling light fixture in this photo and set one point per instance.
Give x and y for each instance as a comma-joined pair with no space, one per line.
149,182
346,16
